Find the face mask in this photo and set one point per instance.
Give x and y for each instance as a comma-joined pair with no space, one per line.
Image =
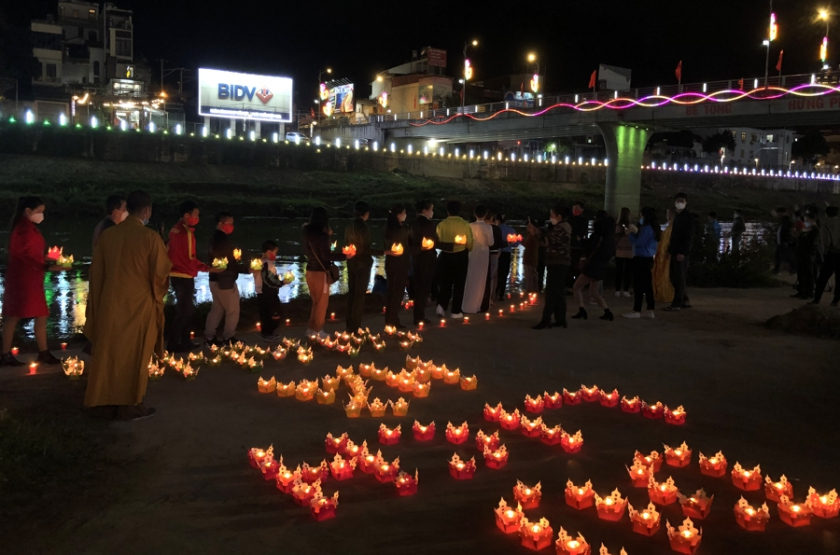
192,221
123,216
577,211
36,217
554,221
227,228
680,205
641,221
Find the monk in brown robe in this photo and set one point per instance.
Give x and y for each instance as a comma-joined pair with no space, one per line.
129,276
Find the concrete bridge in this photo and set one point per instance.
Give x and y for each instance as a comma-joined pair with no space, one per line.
625,120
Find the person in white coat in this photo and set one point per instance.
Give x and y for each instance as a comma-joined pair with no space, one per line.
479,262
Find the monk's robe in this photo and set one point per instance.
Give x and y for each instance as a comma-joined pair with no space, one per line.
129,277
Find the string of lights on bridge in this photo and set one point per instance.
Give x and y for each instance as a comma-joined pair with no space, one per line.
456,155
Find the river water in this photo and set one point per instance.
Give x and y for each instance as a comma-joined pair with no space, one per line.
67,291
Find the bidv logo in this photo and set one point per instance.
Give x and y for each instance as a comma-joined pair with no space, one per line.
241,92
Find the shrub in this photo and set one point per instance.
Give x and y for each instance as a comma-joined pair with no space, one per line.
750,267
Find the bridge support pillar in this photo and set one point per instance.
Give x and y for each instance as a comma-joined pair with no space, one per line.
625,150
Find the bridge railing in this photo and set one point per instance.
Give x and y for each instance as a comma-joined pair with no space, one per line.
535,105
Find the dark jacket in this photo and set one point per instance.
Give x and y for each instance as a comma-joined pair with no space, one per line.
682,234
498,240
580,228
738,227
358,234
421,228
397,235
557,240
784,234
316,246
603,249
221,247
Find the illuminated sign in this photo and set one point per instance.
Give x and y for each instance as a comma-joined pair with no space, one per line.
228,94
341,97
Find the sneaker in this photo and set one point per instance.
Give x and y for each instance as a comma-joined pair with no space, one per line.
632,315
618,293
457,315
9,360
46,357
648,314
213,343
671,308
626,294
440,312
322,335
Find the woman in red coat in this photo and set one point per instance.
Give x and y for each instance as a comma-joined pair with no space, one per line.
23,296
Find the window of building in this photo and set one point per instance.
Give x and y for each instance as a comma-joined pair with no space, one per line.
76,14
92,14
123,47
769,138
96,68
753,138
51,71
743,137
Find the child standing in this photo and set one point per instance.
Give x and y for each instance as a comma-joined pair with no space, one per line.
267,284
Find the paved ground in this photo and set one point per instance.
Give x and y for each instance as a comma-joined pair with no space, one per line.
758,395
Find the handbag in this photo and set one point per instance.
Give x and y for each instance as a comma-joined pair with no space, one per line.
332,273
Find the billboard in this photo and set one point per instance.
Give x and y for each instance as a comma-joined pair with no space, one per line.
436,57
229,94
341,98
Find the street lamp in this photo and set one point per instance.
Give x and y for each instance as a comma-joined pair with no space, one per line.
824,15
467,71
535,80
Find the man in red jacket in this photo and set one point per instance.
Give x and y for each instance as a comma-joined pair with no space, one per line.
185,266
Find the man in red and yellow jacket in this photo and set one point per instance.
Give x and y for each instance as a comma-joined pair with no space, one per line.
185,266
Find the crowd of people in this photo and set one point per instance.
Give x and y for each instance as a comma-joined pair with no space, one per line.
459,267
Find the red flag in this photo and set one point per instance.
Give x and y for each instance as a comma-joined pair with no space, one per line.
312,111
741,83
593,79
678,71
779,63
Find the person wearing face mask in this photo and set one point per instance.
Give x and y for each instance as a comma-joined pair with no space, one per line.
396,264
806,245
679,248
223,285
185,266
423,259
124,314
23,294
645,240
557,238
115,208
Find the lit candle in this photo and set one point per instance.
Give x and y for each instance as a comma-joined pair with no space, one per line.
421,389
713,466
237,254
509,420
266,386
824,506
305,390
468,383
551,402
353,409
302,492
461,470
654,411
377,408
496,459
492,414
697,506
580,497
535,535
513,308
679,456
483,441
452,376
64,346
571,397
369,463
388,436
566,545
747,480
590,394
335,444
486,315
749,518
645,522
501,312
676,416
406,484
423,433
551,436
685,539
325,397
257,455
319,472
664,493
528,496
571,443
611,507
322,507
285,478
531,428
794,514
33,367
630,405
775,490
400,408
507,518
610,399
332,315
639,473
342,469
466,319
387,472
286,390
457,435
15,351
652,461
534,405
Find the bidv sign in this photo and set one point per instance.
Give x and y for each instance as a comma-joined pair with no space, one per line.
235,95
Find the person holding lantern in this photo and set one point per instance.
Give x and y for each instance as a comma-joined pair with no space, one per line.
223,287
396,264
557,238
23,295
320,271
456,242
422,240
358,268
267,284
124,315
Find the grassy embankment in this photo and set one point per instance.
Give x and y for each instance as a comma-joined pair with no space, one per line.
78,188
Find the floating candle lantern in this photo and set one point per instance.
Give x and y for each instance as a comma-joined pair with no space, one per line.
696,506
303,492
421,389
65,262
342,469
397,249
335,444
679,456
279,353
349,250
749,518
379,375
387,472
508,519
460,240
411,363
527,496
457,434
400,408
664,493
492,414
305,390
590,394
155,371
579,497
531,428
823,506
452,376
461,470
437,372
353,409
365,370
285,478
391,379
566,545
483,441
551,402
305,356
322,507
610,399
639,473
286,390
774,490
220,263
794,514
189,372
496,459
377,408
74,368
676,416
237,254
509,420
406,484
256,264
468,383
747,480
421,375
535,535
325,397
514,238
406,384
369,463
571,397
54,253
319,472
571,443
257,455
423,433
655,411
551,436
328,383
652,461
534,405
427,244
388,436
630,405
611,507
685,539
645,522
264,386
713,466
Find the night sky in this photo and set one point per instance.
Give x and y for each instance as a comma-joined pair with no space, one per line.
716,39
